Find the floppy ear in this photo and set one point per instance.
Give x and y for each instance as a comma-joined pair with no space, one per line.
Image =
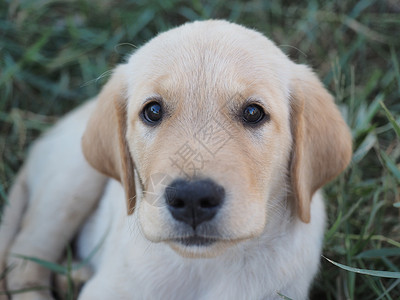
104,140
322,141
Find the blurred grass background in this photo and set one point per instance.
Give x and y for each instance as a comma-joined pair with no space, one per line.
52,53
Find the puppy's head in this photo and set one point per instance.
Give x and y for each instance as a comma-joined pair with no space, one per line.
209,127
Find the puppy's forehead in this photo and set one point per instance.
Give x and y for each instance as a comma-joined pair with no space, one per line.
202,61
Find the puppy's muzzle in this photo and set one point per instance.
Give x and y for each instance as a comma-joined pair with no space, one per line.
194,202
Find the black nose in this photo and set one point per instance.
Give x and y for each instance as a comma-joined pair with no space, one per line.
194,202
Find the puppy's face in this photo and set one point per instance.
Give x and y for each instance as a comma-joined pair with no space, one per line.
206,127
216,120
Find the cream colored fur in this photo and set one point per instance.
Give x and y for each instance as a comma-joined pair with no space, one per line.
269,230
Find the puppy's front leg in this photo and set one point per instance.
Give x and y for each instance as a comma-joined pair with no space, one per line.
11,223
60,191
49,224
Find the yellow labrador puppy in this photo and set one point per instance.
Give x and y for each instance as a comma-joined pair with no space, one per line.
218,144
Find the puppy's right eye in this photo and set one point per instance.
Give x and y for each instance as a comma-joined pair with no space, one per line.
253,114
152,113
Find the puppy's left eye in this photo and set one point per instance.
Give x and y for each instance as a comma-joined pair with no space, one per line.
152,112
253,114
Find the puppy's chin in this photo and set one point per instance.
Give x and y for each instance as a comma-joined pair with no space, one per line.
200,247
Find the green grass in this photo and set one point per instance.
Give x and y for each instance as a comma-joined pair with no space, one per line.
54,55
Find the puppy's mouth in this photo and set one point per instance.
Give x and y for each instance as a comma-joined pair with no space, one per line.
195,240
195,246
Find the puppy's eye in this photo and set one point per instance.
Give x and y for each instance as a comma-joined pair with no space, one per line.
152,112
253,114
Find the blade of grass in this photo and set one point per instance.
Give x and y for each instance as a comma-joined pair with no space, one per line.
377,253
48,265
384,274
390,165
367,144
284,297
334,227
396,66
21,291
391,287
391,119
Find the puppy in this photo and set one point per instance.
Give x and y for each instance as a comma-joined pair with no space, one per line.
218,143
